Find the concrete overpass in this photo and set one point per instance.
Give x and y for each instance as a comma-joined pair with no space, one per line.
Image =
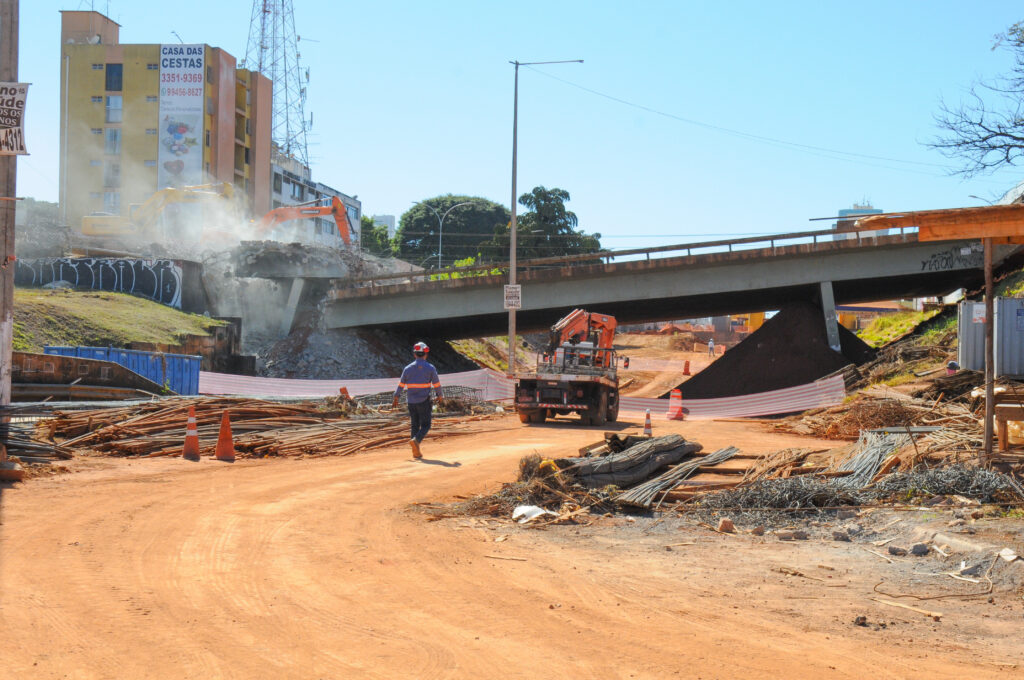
862,268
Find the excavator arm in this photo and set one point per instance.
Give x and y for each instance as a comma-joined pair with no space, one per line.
286,213
142,217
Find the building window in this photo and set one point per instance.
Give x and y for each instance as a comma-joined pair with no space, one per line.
209,74
112,201
152,67
247,158
208,141
277,204
112,143
150,131
97,131
95,164
97,67
114,111
114,72
97,100
112,174
151,98
207,168
248,126
149,164
296,191
277,182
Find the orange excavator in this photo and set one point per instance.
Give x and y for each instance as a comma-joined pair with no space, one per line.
286,213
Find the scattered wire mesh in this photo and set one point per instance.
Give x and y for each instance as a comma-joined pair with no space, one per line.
970,482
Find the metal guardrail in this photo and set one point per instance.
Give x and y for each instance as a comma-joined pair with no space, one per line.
501,268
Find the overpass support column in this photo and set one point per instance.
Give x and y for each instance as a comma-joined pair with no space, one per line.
828,305
288,318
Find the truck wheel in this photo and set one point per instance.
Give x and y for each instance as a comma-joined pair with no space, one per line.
540,415
600,415
527,415
613,409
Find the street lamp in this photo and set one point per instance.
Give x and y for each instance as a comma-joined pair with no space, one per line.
440,223
512,234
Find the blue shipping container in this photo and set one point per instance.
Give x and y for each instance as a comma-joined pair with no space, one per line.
179,372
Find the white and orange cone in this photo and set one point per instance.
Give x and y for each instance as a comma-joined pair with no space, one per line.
648,431
191,449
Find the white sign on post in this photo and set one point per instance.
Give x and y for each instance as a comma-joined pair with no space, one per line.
978,313
12,118
514,297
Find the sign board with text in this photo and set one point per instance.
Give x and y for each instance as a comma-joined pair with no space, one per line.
12,119
514,297
182,96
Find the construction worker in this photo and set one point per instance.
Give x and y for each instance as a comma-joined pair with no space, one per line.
418,378
711,347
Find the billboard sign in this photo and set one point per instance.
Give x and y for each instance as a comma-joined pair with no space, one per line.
12,118
182,96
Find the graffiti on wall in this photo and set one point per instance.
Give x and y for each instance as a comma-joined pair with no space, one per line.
159,280
957,257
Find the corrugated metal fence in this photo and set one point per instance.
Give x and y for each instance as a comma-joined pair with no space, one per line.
179,372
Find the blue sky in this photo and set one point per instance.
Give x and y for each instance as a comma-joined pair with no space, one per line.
413,99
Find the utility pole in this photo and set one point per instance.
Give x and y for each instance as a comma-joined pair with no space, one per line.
512,232
8,191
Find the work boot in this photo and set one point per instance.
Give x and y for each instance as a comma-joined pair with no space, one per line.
415,448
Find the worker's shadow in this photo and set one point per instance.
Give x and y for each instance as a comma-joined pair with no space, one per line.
442,463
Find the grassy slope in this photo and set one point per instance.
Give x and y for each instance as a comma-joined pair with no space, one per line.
68,317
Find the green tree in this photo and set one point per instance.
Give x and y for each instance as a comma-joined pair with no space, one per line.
465,228
985,130
375,238
547,230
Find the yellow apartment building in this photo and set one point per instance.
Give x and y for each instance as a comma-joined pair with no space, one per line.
139,118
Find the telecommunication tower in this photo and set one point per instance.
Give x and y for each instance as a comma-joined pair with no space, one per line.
273,50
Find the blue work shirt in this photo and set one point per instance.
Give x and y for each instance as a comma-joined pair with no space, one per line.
418,377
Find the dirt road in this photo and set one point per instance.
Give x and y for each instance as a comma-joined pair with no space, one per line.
318,569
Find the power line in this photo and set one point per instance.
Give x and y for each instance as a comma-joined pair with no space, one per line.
854,157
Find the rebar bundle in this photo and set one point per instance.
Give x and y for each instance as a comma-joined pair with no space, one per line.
643,495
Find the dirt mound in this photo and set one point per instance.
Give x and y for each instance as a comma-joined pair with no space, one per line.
790,349
339,354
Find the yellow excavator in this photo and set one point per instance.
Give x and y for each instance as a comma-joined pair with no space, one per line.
143,218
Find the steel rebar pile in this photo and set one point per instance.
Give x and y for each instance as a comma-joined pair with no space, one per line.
260,428
871,450
644,494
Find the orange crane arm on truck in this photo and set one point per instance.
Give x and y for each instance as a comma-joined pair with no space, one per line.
286,213
582,326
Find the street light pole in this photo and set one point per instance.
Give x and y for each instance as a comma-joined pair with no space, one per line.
440,223
512,233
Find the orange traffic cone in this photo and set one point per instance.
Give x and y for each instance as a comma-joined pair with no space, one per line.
675,405
686,367
225,444
191,449
648,432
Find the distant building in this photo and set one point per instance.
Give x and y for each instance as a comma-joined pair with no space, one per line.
292,185
386,221
846,224
139,118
